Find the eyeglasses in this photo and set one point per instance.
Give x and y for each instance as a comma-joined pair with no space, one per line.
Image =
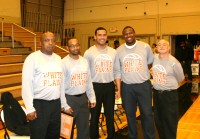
75,46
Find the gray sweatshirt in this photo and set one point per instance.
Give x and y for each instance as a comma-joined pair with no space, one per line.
101,63
131,65
77,79
41,78
167,73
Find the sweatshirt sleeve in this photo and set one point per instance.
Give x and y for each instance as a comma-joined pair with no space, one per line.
87,56
150,56
89,87
178,70
117,68
27,83
62,97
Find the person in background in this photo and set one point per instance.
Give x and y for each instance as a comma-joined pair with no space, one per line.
167,74
78,88
185,55
179,51
131,67
41,89
107,43
101,60
197,46
154,48
189,57
116,44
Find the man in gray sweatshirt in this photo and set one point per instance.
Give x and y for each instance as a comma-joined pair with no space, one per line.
101,60
132,78
78,88
42,88
167,74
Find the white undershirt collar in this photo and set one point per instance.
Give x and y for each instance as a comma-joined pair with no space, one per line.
132,46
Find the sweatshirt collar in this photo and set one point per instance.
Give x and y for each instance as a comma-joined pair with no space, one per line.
132,46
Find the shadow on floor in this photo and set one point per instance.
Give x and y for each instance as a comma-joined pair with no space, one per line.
123,133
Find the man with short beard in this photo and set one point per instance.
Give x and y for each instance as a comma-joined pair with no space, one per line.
101,60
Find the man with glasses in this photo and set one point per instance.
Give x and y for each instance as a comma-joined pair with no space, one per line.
78,88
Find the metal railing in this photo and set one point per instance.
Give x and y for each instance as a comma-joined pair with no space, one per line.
2,22
14,24
42,22
61,48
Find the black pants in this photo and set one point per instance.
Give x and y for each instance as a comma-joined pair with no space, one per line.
47,124
134,95
105,93
166,113
187,68
79,105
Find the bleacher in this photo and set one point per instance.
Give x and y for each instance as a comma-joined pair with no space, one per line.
13,54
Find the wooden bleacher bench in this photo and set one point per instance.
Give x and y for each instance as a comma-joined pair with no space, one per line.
10,79
6,59
4,51
11,68
15,90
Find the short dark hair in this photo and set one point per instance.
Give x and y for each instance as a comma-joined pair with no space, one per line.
116,42
44,35
154,44
99,28
128,27
68,39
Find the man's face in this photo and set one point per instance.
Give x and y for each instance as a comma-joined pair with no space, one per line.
101,37
116,45
48,43
129,36
163,47
74,47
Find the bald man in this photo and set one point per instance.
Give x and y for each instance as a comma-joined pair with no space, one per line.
41,89
167,74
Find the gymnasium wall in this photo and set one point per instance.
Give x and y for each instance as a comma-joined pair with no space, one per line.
149,18
10,11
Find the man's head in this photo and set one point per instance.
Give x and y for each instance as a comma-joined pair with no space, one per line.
129,35
182,44
73,46
100,36
198,43
154,45
47,42
116,44
163,47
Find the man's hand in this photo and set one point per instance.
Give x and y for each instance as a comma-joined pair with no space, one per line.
92,105
69,111
32,116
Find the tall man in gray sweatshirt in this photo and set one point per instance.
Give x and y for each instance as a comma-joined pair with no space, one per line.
101,60
131,67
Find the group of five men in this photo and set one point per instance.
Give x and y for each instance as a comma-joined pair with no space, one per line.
49,84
